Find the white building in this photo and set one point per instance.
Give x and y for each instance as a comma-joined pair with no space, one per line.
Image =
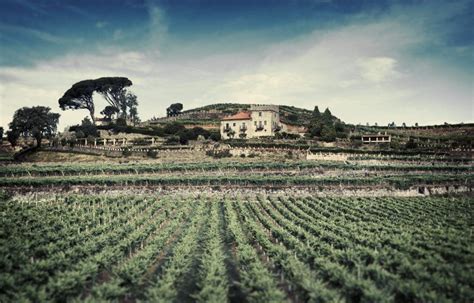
260,121
377,138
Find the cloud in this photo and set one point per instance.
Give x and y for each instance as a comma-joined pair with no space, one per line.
157,25
360,77
118,34
369,71
377,69
101,24
37,34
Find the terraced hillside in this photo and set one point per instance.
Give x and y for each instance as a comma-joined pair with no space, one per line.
395,229
212,114
295,174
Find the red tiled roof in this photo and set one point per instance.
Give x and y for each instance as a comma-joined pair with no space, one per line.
239,116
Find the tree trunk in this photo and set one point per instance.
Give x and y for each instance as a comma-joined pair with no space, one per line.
38,141
91,111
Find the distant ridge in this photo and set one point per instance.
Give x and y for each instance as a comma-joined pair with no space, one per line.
213,113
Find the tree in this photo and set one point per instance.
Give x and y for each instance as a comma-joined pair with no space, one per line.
173,128
327,116
113,90
315,129
293,117
328,133
12,137
316,113
109,111
88,128
79,96
36,121
1,134
129,107
199,131
174,109
341,130
134,115
215,136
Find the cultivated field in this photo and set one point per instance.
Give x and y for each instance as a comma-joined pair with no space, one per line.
237,247
364,230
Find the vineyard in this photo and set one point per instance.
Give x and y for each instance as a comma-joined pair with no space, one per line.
294,174
236,247
238,231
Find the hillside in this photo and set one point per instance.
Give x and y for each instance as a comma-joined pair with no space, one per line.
213,113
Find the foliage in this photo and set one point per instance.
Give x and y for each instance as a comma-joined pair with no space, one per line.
174,128
4,195
85,130
215,136
326,127
126,152
114,91
109,111
152,153
219,153
285,135
79,96
172,140
174,109
432,165
36,121
12,137
216,247
292,117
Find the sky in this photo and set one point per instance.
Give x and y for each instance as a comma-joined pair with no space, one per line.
368,61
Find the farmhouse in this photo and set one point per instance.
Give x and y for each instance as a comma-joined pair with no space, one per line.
259,121
376,138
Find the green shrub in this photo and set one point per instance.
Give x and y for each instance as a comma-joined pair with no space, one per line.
152,153
4,195
126,152
215,136
217,154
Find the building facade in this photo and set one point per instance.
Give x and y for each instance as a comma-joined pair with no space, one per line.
376,138
259,121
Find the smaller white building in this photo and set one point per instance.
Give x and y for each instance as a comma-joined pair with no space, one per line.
376,138
260,121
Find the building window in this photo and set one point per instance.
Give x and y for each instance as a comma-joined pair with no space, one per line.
259,114
233,124
265,122
255,122
227,125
